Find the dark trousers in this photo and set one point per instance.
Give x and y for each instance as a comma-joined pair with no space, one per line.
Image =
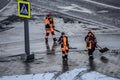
65,55
47,34
53,36
90,52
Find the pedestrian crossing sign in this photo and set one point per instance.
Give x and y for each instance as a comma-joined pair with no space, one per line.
24,9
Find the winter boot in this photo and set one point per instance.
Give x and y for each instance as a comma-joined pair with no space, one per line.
54,39
91,57
63,57
55,43
66,57
46,40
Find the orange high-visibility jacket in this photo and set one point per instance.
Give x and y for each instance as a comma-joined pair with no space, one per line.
49,25
64,42
90,44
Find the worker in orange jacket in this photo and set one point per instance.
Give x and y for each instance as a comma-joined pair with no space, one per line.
49,27
90,44
63,40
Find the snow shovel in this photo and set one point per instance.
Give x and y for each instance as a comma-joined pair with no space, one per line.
72,48
102,50
57,30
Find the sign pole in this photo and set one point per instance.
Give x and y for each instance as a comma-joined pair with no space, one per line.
26,35
24,11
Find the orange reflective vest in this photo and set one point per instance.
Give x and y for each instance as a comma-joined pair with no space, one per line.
63,40
49,25
90,44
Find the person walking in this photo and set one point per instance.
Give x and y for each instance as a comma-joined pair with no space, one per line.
91,42
49,27
92,34
63,40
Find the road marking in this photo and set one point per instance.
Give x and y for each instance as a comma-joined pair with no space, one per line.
102,4
79,18
75,7
103,11
5,6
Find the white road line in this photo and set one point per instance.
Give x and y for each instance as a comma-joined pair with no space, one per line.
102,4
75,7
5,6
103,11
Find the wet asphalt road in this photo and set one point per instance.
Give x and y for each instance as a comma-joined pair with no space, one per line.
51,61
98,11
110,2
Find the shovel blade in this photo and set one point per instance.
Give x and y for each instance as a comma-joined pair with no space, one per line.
104,50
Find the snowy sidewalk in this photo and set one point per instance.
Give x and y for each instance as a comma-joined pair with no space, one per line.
70,75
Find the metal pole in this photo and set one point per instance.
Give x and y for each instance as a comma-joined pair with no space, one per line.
26,34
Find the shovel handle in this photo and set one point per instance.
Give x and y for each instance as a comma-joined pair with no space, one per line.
72,48
57,30
99,46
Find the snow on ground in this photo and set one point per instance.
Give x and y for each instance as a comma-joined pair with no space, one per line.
69,75
37,31
46,76
37,27
8,11
96,76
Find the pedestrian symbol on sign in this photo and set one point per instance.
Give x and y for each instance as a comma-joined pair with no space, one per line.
24,9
